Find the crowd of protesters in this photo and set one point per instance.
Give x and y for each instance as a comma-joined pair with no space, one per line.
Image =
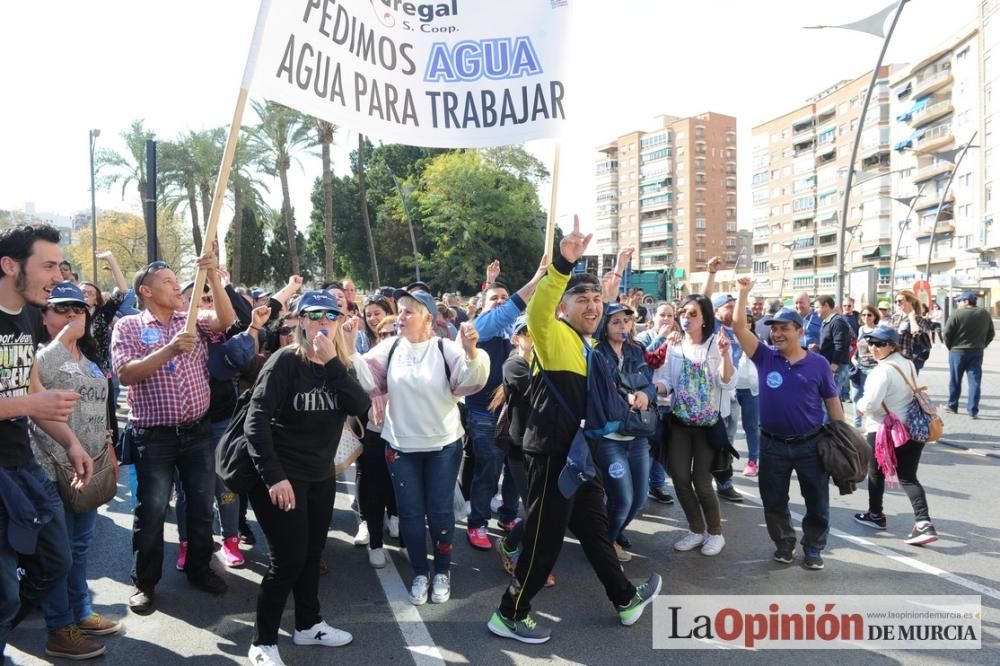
569,397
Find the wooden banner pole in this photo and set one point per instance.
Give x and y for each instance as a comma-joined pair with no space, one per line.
550,227
222,181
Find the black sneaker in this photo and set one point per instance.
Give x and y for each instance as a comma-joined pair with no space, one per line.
812,560
210,582
952,410
660,496
141,602
921,536
785,553
247,536
730,494
868,518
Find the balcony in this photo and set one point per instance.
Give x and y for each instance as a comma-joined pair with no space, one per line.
931,113
934,138
931,82
943,228
607,211
931,171
942,258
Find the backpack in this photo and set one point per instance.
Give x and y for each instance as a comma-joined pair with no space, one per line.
232,456
440,345
922,420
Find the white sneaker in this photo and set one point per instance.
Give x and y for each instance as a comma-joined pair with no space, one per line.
418,591
690,541
322,634
376,557
362,537
495,503
714,543
265,655
392,526
441,588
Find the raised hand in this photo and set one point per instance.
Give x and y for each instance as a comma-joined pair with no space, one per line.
260,315
723,345
745,284
543,268
714,264
295,282
468,336
105,255
624,256
493,271
574,244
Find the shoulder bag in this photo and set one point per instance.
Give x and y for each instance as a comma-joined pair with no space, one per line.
101,489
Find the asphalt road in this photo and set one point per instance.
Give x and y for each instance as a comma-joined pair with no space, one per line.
960,476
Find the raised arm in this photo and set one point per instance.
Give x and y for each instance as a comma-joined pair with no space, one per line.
116,270
713,266
747,339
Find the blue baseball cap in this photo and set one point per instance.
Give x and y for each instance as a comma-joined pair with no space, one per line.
579,466
785,315
66,292
259,293
420,296
317,300
721,299
615,308
966,296
521,324
884,333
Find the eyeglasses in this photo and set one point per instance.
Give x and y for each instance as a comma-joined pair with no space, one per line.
879,343
285,330
151,268
316,315
66,308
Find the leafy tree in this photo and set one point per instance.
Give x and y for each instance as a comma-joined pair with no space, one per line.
324,139
352,254
125,235
246,188
278,260
251,257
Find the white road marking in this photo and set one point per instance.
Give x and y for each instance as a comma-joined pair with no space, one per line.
418,638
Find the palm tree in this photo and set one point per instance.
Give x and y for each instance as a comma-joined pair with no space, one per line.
179,175
246,189
126,169
281,132
207,147
324,138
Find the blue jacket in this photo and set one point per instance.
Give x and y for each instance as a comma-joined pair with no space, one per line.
495,329
812,323
25,494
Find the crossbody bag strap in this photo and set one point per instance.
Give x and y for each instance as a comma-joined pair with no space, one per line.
895,367
552,387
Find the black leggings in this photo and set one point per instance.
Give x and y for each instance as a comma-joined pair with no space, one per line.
375,495
519,475
907,461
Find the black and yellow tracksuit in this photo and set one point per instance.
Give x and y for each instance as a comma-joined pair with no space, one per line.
550,430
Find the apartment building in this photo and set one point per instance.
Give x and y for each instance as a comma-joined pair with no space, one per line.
937,108
799,166
670,192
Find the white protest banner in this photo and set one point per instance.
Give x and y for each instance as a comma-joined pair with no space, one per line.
448,74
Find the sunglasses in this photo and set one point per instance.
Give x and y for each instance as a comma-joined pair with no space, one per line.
285,330
66,308
690,314
582,289
879,343
867,314
317,315
385,334
151,268
375,298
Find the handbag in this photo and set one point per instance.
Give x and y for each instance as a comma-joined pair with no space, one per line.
102,487
922,420
350,447
639,423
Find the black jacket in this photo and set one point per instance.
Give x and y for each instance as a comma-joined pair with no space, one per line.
845,454
835,339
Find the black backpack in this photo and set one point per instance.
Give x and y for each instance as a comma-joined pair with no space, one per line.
232,456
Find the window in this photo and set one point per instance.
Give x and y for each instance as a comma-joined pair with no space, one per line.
803,203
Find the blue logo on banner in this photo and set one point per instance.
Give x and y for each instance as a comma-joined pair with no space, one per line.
774,379
151,336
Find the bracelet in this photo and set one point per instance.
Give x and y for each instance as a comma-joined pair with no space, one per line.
256,328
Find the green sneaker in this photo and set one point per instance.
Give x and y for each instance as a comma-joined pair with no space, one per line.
526,630
630,613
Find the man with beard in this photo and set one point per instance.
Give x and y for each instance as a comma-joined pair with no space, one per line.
32,518
795,386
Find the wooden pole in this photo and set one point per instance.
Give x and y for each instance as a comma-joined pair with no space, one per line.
550,227
227,160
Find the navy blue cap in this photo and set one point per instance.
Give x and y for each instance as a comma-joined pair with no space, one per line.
419,295
615,308
785,315
520,324
966,296
66,292
387,291
885,333
579,466
317,300
721,299
419,285
259,293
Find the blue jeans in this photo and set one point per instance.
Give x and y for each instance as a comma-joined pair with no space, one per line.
749,405
968,363
842,378
69,601
777,462
624,469
160,451
424,483
859,391
657,473
43,571
488,465
226,501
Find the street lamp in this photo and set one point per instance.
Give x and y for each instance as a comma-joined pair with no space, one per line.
872,25
944,195
911,202
404,194
94,133
784,264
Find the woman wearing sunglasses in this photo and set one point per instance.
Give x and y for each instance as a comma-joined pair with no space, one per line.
423,376
863,360
914,330
303,394
70,362
888,388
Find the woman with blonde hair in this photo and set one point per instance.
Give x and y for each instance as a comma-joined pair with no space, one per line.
304,393
423,377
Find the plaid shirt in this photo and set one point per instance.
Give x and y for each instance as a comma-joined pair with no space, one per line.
908,337
178,391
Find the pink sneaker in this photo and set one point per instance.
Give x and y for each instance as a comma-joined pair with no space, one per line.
479,538
751,468
231,552
182,555
507,527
